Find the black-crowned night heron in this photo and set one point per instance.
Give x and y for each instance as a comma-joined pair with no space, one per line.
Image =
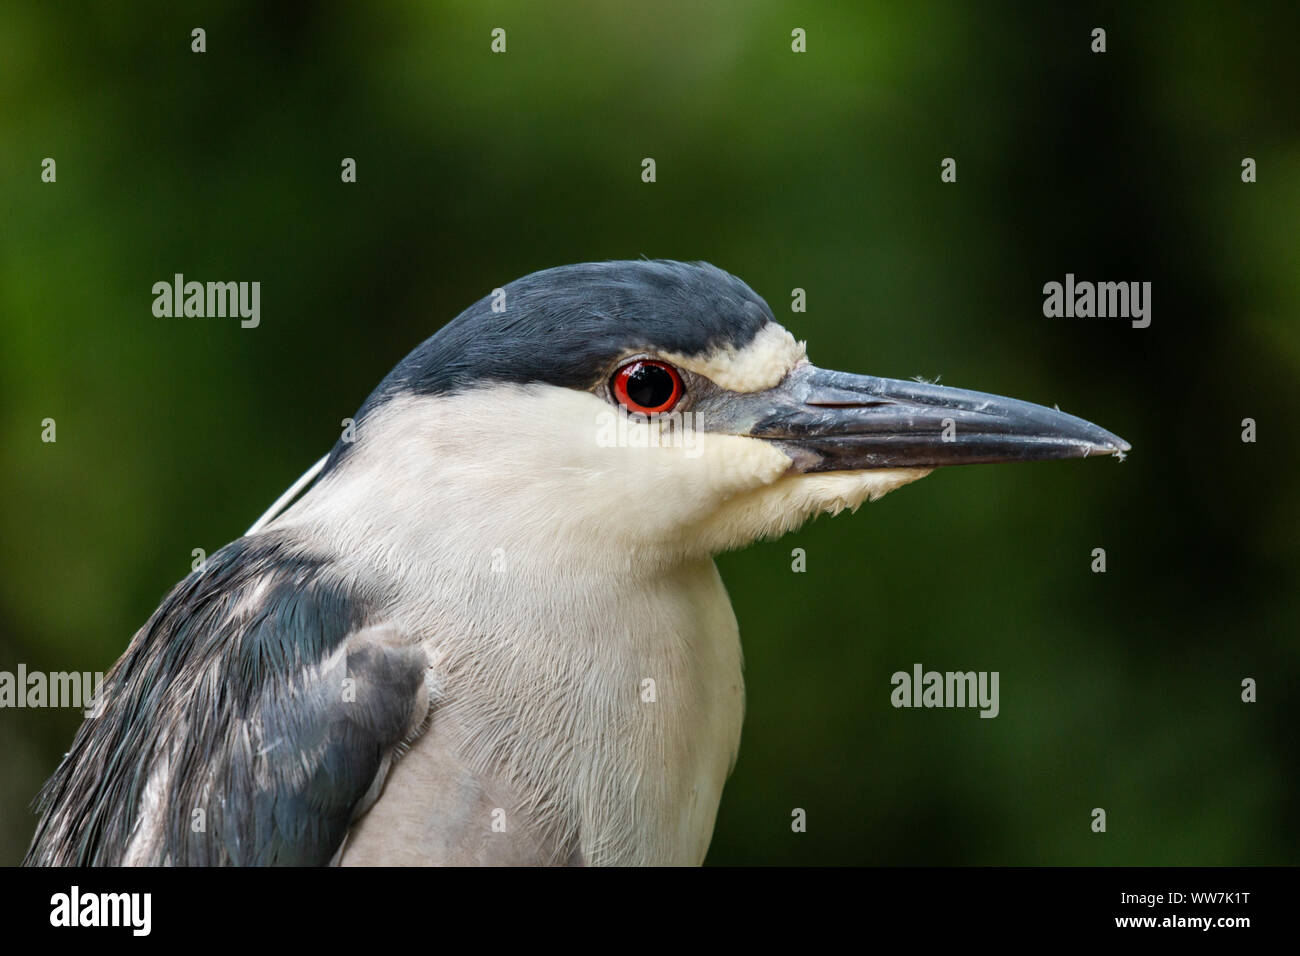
440,652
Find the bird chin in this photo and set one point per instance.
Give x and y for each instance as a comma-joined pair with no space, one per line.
793,499
830,492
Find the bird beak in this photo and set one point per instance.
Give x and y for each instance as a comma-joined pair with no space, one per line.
836,421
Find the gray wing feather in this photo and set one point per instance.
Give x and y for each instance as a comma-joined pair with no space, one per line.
250,721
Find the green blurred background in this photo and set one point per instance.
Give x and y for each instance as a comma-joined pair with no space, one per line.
819,170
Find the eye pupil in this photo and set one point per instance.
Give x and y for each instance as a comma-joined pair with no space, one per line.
647,386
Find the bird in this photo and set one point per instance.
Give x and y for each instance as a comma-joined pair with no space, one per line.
487,628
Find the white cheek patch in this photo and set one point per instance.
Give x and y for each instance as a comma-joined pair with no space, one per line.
758,366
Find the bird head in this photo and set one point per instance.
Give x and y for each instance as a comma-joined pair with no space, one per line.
653,408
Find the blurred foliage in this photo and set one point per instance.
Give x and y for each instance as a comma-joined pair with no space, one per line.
818,170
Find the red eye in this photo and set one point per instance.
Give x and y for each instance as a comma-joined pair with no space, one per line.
647,386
